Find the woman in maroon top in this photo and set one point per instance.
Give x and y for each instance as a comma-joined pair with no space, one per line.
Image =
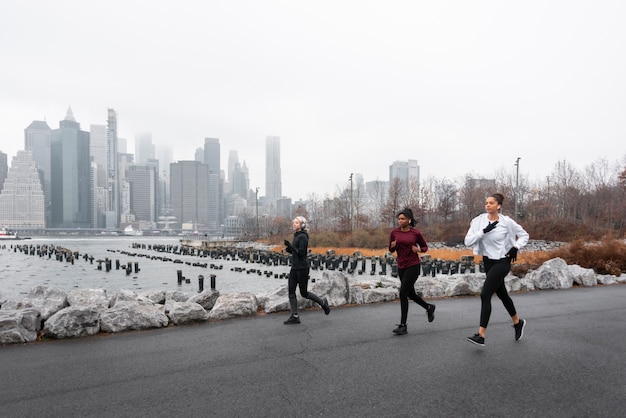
407,241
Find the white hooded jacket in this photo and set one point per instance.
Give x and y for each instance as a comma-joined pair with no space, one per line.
496,243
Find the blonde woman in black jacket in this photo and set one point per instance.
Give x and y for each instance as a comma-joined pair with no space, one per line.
299,274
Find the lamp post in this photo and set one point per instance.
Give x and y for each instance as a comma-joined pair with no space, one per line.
257,212
516,184
351,174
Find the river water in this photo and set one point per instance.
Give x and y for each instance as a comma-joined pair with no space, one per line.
19,272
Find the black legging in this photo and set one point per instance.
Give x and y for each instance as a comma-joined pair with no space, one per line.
408,277
300,278
494,283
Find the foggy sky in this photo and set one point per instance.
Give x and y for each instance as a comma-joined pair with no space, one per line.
464,87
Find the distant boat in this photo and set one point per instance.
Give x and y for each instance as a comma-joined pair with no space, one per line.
8,235
129,230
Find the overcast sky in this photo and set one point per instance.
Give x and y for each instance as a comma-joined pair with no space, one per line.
349,86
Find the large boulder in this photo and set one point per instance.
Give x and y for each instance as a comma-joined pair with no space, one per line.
19,326
553,274
234,305
47,300
460,287
156,296
185,312
206,299
430,288
88,297
73,321
132,315
277,300
380,294
178,296
332,285
582,276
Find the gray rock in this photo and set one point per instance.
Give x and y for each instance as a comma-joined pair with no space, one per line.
460,287
582,276
73,321
156,296
234,305
177,296
277,300
132,315
185,312
380,294
19,326
89,297
47,300
553,274
206,299
430,288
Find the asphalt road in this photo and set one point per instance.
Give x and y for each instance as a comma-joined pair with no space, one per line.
570,363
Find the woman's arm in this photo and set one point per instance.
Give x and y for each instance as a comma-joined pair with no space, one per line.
475,233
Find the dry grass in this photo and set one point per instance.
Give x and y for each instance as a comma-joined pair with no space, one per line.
534,258
607,256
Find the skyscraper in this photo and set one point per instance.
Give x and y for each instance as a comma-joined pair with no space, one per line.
113,178
407,171
273,184
216,186
143,191
22,198
189,192
98,151
71,175
144,148
37,141
212,154
4,169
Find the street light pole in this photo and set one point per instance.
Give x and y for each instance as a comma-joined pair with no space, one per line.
516,184
257,212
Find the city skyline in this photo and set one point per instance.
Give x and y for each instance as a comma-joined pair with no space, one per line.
349,87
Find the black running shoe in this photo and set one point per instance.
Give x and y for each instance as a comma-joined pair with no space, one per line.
477,339
401,330
325,306
519,329
431,313
292,320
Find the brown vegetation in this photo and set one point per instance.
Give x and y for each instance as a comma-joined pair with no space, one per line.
607,256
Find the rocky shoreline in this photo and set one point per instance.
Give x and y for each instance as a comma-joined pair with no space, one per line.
48,312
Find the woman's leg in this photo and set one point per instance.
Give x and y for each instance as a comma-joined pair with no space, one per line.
408,277
303,283
291,286
414,271
496,272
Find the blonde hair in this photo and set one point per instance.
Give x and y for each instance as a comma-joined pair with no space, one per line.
302,220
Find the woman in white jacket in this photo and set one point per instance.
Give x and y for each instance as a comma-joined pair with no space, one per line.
497,238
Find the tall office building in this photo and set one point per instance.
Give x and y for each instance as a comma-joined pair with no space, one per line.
233,159
216,185
165,157
22,198
189,186
142,180
240,180
98,152
71,175
212,154
112,217
4,169
407,171
37,141
273,184
144,148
